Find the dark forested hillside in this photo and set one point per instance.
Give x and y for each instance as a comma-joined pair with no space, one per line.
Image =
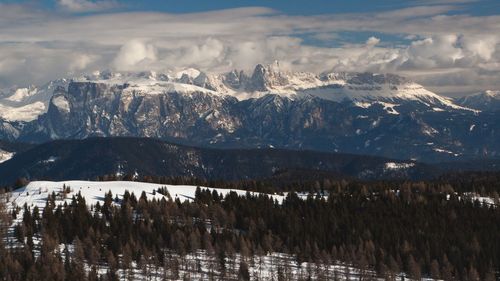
15,146
89,158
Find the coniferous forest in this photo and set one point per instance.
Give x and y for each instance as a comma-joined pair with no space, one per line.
386,230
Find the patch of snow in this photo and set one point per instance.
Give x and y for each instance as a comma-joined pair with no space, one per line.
5,155
61,103
49,160
367,143
363,104
153,87
428,130
21,94
25,113
398,166
389,107
484,200
440,150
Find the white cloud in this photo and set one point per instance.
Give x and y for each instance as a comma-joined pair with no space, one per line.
483,46
80,62
37,45
86,5
440,51
205,54
133,54
372,41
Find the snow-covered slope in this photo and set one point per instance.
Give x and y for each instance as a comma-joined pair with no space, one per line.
268,265
150,83
27,112
37,192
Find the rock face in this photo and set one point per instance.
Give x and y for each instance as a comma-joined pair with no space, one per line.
363,113
98,109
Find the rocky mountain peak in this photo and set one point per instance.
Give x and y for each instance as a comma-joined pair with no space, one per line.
267,77
488,100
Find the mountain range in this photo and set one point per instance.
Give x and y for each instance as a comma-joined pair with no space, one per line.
361,113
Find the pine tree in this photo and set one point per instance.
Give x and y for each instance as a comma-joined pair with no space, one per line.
473,275
93,276
127,262
435,272
243,272
414,268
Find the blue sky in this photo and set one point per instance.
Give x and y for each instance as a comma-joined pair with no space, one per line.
450,46
296,7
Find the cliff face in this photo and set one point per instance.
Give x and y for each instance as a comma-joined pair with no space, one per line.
99,109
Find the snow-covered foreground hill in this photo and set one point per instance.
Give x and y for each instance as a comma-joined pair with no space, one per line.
195,265
37,192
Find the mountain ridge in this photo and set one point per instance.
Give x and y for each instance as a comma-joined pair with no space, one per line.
25,104
386,115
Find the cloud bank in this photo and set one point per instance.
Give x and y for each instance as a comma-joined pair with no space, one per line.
450,53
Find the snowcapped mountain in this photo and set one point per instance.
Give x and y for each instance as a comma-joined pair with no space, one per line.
484,101
366,113
361,88
357,87
365,89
